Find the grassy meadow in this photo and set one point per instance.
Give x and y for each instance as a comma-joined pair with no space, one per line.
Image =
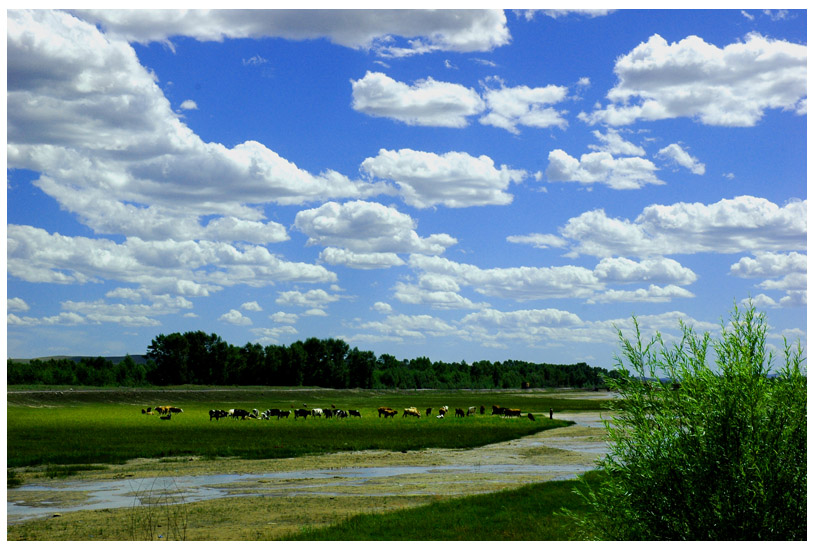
76,427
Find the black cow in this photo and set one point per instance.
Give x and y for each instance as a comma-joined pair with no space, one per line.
284,414
239,413
302,413
354,413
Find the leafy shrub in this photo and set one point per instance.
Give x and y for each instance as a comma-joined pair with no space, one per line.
708,453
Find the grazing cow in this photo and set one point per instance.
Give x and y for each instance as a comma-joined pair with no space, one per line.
428,412
340,413
284,414
217,414
443,410
384,411
530,416
512,412
388,413
166,417
471,411
460,412
273,412
301,413
317,412
498,410
354,413
411,412
481,410
239,414
162,409
175,410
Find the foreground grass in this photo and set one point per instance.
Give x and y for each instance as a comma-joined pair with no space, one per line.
528,513
99,426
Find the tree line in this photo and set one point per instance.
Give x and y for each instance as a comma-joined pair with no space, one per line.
200,359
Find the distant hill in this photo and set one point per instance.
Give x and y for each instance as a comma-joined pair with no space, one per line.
137,358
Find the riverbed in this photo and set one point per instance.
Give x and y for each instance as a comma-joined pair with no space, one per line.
562,453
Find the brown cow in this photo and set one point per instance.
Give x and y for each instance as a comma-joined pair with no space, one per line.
411,412
512,412
387,411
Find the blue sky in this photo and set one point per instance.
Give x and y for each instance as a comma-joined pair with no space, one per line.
458,185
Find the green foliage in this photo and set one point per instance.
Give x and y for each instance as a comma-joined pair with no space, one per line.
707,453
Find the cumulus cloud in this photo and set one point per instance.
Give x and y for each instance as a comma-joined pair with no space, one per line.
766,264
541,241
601,167
235,318
189,104
17,304
424,103
362,261
741,224
651,294
453,179
729,86
252,306
511,107
313,299
394,33
681,157
366,228
613,143
184,268
518,283
93,122
784,272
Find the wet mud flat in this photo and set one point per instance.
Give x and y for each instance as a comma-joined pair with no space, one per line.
561,453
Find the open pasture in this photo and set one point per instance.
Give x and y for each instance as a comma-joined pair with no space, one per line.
107,426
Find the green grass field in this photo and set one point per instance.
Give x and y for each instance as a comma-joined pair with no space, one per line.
107,426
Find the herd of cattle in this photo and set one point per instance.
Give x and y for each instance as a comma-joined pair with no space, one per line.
166,412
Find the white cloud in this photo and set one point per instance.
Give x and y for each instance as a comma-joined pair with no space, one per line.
424,103
652,294
183,268
453,179
541,241
189,104
366,228
741,224
658,270
435,298
314,299
730,86
765,264
363,261
382,308
17,304
522,105
613,143
376,30
530,14
272,335
283,317
252,306
678,155
86,115
601,167
235,318
519,283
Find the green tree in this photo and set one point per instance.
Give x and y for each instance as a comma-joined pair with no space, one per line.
712,452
